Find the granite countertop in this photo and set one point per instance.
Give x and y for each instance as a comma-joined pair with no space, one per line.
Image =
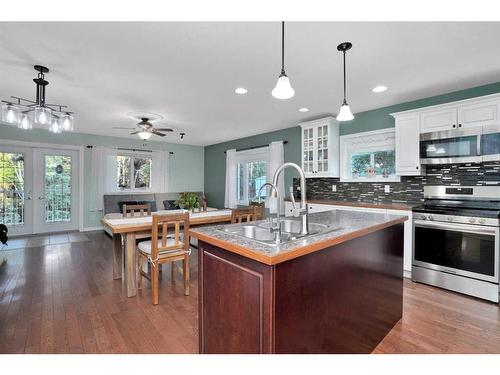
389,206
346,226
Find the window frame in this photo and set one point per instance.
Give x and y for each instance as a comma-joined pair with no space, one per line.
246,157
366,142
133,156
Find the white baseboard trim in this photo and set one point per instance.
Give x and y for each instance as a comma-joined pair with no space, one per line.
90,229
407,274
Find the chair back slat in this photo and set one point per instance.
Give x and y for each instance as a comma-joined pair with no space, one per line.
129,210
258,209
175,220
239,215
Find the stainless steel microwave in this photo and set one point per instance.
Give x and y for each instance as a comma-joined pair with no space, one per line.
461,145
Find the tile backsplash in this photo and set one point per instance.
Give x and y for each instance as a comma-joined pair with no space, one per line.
411,188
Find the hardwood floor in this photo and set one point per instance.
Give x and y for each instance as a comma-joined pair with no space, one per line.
62,298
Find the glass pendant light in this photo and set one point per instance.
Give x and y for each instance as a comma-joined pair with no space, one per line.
25,122
43,115
10,113
283,88
66,122
55,128
345,113
144,135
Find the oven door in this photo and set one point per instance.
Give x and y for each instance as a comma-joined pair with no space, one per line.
461,249
456,146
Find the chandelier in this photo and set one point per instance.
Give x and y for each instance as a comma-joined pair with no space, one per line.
25,113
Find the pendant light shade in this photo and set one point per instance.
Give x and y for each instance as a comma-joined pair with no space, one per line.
43,115
345,113
283,88
26,122
10,113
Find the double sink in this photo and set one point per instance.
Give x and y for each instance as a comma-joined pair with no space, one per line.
290,231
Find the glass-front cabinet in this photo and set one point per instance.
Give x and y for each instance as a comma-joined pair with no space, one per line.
320,147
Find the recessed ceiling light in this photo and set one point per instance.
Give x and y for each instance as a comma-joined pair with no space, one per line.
303,109
241,91
379,88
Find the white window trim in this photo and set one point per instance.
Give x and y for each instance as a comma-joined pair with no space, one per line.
376,140
247,156
133,154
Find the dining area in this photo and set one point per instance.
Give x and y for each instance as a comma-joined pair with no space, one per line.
136,255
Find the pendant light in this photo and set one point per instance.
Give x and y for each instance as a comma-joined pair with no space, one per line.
345,113
283,89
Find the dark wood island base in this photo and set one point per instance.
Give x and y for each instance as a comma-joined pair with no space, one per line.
342,299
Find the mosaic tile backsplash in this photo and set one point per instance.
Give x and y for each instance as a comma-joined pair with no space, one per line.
411,188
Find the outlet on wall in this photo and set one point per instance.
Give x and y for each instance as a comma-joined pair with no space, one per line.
387,188
334,187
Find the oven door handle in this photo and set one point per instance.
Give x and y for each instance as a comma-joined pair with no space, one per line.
456,227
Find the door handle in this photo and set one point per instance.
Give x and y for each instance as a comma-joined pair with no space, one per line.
41,198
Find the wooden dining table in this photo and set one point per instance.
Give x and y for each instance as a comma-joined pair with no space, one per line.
131,228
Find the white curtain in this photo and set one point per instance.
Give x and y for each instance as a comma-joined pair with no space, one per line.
160,171
230,193
98,178
276,159
110,170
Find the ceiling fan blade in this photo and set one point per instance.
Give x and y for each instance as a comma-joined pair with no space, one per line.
165,129
121,127
136,132
157,133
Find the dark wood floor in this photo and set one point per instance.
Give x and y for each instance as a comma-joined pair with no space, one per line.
62,299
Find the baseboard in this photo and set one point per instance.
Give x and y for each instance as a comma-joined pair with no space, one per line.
407,274
90,229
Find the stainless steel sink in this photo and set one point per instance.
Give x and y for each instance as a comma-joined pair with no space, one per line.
290,231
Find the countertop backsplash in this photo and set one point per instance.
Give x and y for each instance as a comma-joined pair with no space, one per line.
411,188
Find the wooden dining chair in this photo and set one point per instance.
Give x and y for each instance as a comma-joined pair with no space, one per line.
259,209
240,215
129,210
167,249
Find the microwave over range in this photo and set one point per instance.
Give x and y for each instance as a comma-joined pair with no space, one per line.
473,145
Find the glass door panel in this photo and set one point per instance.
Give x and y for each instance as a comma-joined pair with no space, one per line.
308,147
322,154
15,190
56,190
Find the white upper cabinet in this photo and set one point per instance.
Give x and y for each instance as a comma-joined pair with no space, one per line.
408,145
320,147
438,120
479,114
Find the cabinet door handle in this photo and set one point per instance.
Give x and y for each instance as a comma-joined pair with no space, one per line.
459,125
416,167
454,126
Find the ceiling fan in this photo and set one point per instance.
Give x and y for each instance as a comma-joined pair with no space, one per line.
145,129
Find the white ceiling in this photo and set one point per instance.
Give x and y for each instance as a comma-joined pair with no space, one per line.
188,71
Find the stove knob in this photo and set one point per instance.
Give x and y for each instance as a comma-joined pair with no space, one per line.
472,220
430,217
481,221
423,217
449,218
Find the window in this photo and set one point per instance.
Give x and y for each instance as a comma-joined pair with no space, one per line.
133,172
368,156
251,174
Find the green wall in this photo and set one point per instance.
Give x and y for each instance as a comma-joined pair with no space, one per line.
185,171
215,162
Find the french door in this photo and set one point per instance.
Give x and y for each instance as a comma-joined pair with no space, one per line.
38,190
16,189
55,190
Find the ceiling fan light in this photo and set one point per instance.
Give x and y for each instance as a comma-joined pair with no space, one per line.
283,88
345,113
26,122
43,115
144,135
10,113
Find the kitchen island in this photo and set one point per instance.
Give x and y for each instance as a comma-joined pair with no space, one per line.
337,291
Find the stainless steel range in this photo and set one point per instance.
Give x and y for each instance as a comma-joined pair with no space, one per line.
456,239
